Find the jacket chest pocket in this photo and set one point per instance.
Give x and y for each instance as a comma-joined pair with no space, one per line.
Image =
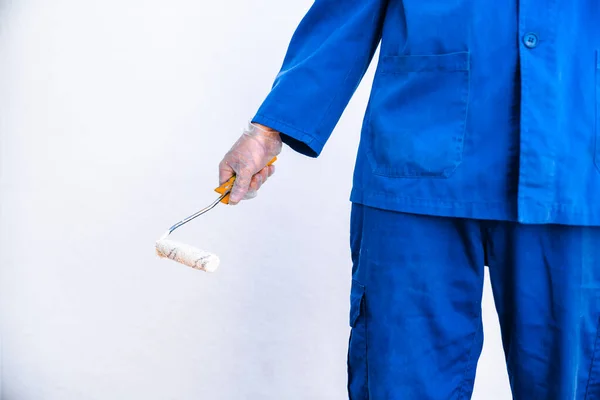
416,121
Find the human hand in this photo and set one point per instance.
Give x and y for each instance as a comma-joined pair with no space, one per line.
247,160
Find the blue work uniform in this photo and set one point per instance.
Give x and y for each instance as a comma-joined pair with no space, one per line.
480,112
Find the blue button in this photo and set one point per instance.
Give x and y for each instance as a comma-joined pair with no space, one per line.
530,40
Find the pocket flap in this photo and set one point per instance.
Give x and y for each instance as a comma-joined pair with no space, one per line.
356,296
419,63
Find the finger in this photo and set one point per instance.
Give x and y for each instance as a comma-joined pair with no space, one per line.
250,194
258,180
225,172
240,187
267,171
264,175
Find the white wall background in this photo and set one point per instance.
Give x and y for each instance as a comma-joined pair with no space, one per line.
114,116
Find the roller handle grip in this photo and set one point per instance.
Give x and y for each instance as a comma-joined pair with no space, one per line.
227,186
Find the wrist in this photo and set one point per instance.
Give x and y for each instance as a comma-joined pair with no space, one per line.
266,131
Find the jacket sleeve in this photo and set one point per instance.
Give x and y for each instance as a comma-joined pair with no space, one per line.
327,57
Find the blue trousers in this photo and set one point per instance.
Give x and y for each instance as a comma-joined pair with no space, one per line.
416,306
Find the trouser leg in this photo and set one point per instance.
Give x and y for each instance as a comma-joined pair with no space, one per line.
546,283
415,306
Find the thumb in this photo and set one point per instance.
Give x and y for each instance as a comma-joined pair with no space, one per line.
225,172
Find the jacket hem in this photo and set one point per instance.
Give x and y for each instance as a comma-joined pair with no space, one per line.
522,210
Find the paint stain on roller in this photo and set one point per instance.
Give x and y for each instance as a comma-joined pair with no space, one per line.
187,255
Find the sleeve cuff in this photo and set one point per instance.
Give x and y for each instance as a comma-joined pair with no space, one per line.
300,141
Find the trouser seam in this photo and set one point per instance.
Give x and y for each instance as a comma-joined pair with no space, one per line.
467,369
364,304
591,381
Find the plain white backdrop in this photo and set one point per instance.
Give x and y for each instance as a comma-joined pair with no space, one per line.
114,116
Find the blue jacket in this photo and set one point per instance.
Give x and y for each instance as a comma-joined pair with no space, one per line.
479,109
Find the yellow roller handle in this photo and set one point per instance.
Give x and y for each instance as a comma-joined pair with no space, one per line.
226,187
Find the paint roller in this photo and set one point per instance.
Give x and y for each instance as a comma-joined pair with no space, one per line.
188,255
